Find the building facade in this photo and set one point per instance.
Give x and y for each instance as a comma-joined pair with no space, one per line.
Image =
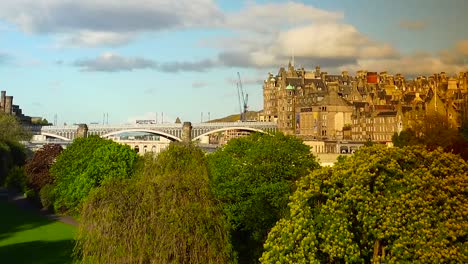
316,106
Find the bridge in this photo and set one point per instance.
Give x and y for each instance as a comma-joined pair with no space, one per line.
173,132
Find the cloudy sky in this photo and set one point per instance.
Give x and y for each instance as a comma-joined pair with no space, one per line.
136,59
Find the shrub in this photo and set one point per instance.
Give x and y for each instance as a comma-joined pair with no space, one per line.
166,215
46,196
16,179
86,164
37,168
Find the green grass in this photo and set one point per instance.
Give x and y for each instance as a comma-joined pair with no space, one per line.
29,238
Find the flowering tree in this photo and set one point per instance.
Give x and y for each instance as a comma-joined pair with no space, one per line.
380,205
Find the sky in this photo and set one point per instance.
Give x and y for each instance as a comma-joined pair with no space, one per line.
163,59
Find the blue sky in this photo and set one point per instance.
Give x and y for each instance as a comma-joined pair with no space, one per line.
137,59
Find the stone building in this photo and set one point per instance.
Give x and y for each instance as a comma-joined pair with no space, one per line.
314,105
7,107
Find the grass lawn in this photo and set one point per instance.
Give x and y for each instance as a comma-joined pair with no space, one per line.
29,238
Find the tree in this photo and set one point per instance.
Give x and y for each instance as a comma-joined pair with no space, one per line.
11,130
86,164
434,131
165,215
37,168
395,205
406,137
253,178
12,152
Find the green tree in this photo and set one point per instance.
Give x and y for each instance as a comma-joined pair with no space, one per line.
11,130
12,153
406,137
253,178
434,131
391,205
86,164
165,215
41,121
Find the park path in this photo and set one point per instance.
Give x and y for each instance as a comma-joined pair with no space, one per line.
20,200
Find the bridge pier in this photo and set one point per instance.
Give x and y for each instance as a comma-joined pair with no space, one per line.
187,132
82,131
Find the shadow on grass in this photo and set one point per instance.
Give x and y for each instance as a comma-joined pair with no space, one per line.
38,252
14,219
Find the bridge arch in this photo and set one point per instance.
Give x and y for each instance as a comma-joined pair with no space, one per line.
228,128
169,136
54,136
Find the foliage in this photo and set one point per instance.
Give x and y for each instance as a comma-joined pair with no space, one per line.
86,164
253,178
434,131
46,195
392,205
11,129
406,137
166,215
16,179
41,121
37,168
12,153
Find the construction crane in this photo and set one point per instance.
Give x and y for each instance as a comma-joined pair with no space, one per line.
243,99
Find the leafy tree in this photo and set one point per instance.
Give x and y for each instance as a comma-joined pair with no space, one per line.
253,178
165,215
11,130
41,121
434,131
37,168
392,205
12,154
406,137
86,164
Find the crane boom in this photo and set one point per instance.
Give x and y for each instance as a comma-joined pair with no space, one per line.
243,99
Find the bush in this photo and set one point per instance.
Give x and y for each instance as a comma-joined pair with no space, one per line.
86,164
12,154
37,168
46,196
166,215
16,179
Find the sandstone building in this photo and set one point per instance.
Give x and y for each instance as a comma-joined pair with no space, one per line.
7,107
316,106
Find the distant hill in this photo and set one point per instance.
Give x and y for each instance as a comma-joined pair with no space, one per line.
251,115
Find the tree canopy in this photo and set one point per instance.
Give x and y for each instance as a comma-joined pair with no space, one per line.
165,215
253,177
397,205
11,129
86,164
12,152
37,168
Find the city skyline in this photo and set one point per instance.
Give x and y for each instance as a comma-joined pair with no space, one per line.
80,60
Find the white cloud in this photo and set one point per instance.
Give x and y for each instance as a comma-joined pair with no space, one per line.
412,65
88,38
111,62
271,17
102,20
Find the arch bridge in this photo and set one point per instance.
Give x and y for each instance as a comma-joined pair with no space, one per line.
173,132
